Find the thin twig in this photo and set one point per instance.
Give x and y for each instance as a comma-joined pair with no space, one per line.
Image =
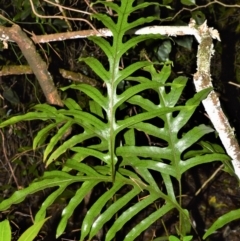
200,7
7,160
67,8
235,84
62,10
209,179
60,17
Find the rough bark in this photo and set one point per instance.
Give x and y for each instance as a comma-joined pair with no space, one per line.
34,60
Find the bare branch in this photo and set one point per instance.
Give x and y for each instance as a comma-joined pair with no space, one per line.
202,80
36,63
60,17
67,8
200,7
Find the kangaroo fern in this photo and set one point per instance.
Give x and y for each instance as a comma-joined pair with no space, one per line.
120,164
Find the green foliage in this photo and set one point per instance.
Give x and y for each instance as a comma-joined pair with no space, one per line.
121,163
188,2
186,238
5,230
28,235
223,220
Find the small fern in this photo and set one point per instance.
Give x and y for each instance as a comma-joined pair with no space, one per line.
122,163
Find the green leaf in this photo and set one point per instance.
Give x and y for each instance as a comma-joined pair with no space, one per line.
175,93
185,41
146,4
129,137
67,145
223,220
73,203
149,115
97,67
90,152
112,210
95,210
67,177
92,92
81,167
169,186
199,17
150,164
151,130
127,94
32,232
188,2
145,223
173,238
104,45
130,69
70,103
11,96
128,214
96,109
142,102
197,160
56,138
192,137
5,231
41,214
107,21
185,222
162,76
27,117
207,148
43,134
147,176
144,151
20,195
139,22
45,108
111,5
85,119
136,40
164,50
187,238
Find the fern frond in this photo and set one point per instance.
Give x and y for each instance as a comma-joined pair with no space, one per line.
124,162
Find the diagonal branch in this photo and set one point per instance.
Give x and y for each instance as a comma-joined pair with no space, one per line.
202,80
36,63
